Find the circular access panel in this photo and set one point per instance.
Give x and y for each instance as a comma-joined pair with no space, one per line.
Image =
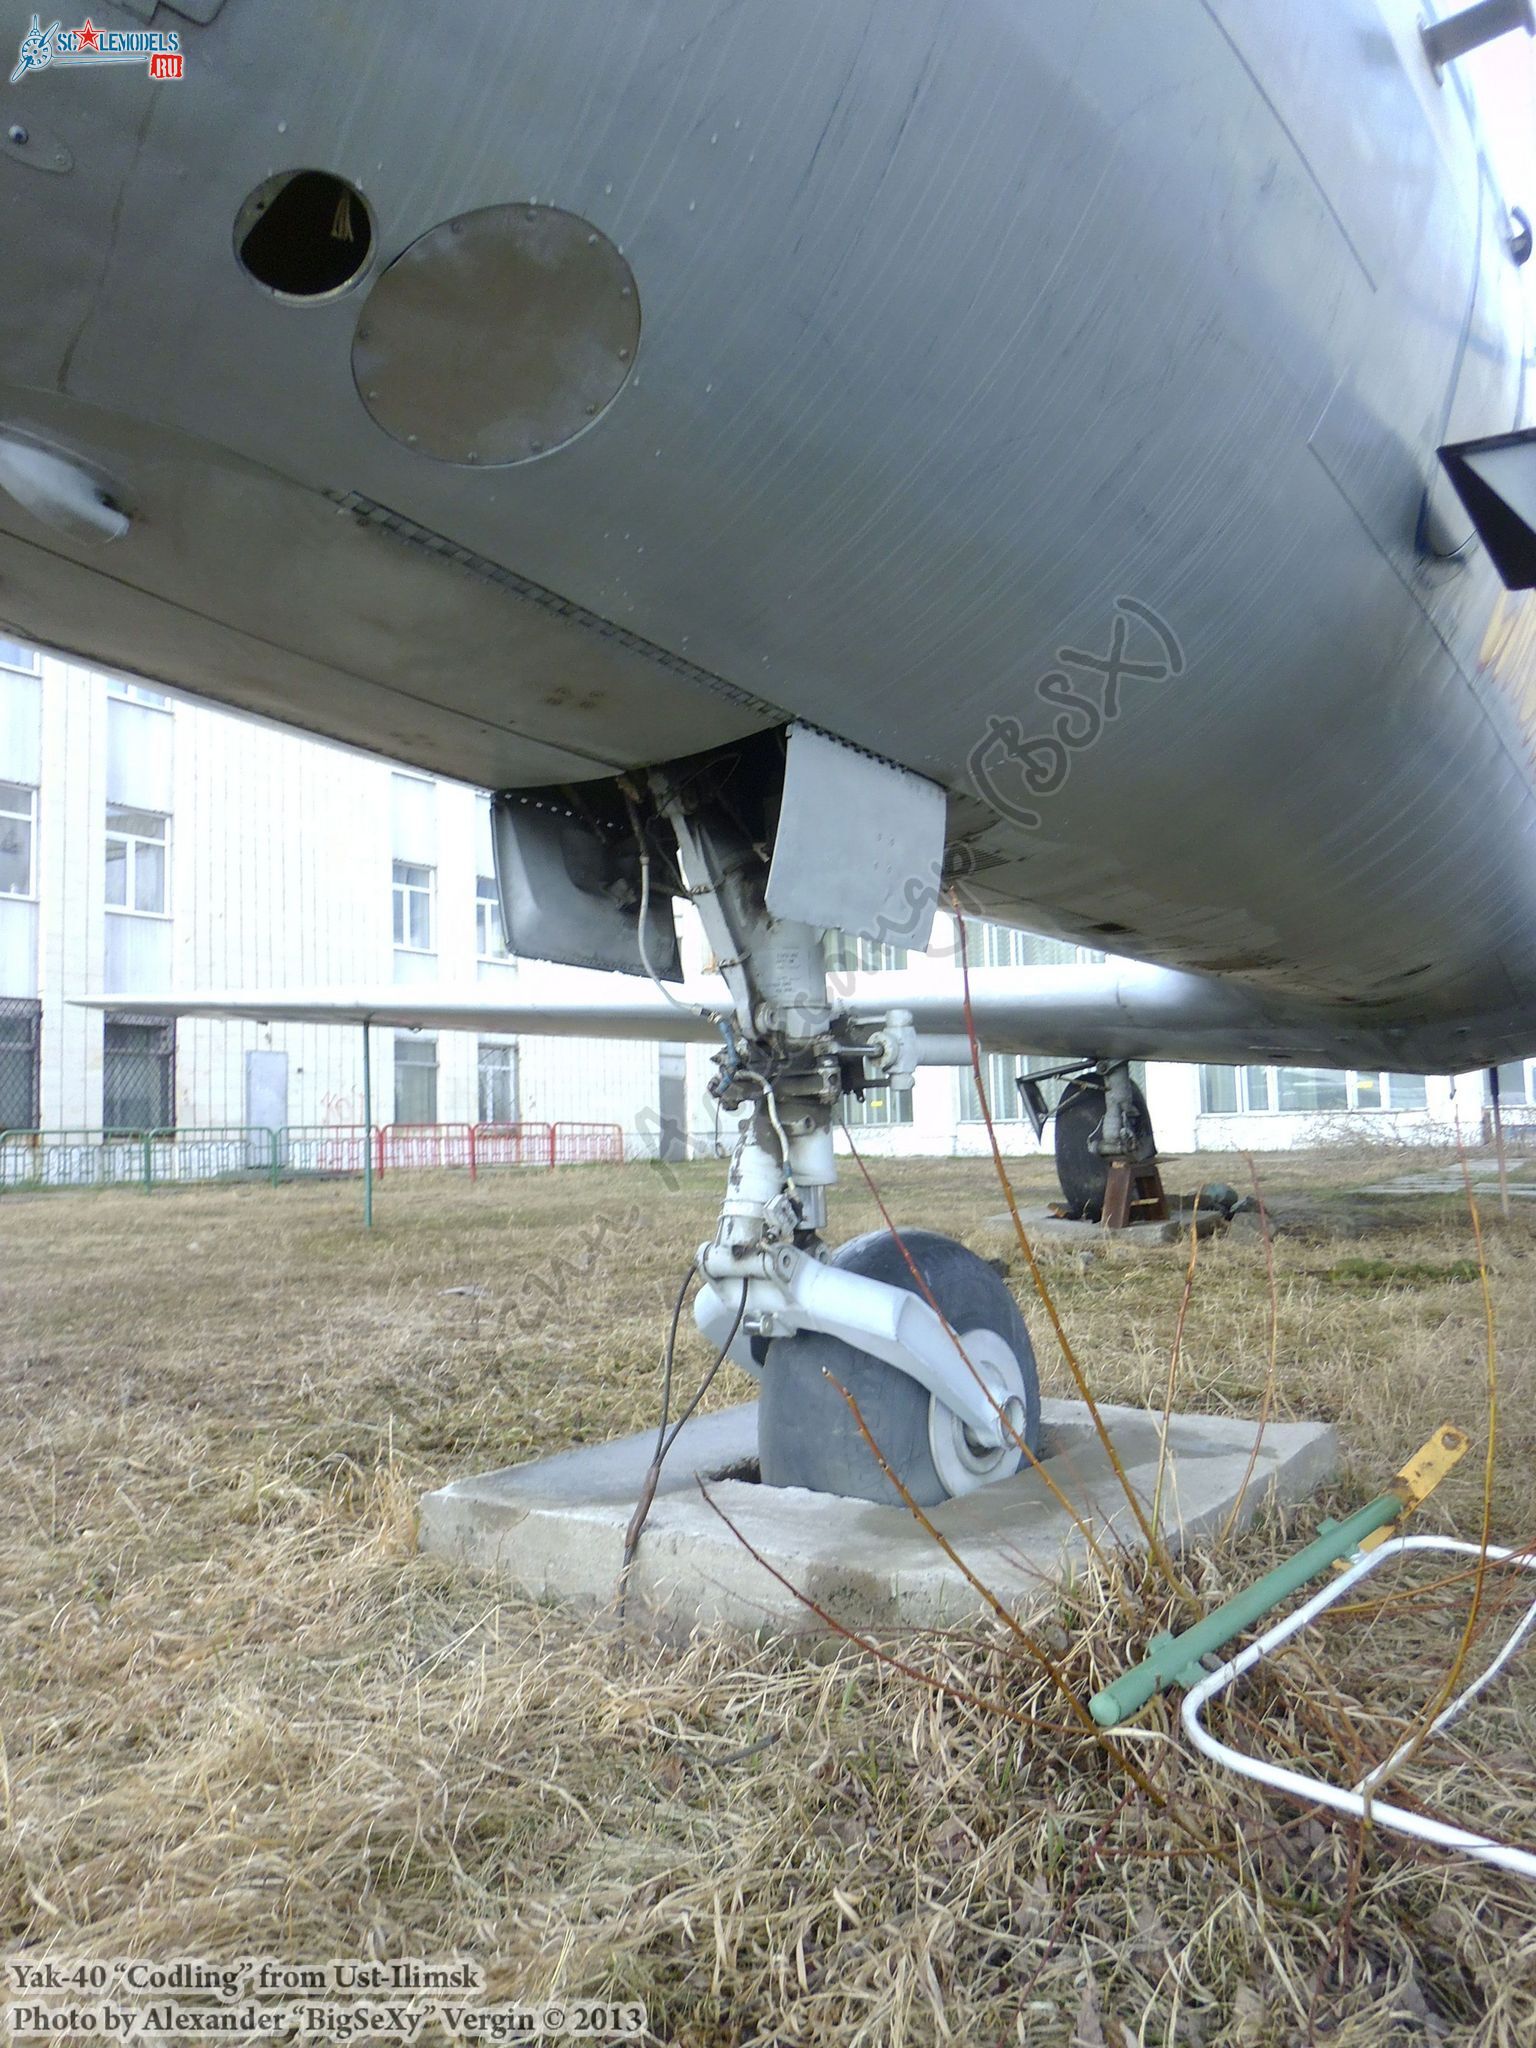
497,336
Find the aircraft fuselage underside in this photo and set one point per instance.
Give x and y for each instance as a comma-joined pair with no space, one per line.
1046,405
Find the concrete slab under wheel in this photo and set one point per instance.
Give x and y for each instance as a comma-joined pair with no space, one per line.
1040,1223
555,1528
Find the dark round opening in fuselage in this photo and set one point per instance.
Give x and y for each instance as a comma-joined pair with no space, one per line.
304,235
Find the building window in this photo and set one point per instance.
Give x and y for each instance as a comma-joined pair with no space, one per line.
847,955
498,1083
138,1074
413,906
14,655
136,860
415,1078
1226,1091
1302,1091
879,1106
137,693
21,1027
999,1073
18,838
489,943
1218,1091
1513,1084
1000,945
1311,1090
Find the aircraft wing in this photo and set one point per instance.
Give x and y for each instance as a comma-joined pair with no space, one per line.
1117,1010
614,1006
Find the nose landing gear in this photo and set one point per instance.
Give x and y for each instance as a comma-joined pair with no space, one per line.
941,1366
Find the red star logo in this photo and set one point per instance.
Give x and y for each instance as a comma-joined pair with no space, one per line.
89,36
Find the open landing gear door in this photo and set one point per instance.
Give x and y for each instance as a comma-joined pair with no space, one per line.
1496,481
860,843
568,873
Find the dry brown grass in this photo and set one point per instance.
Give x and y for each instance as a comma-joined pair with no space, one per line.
239,1712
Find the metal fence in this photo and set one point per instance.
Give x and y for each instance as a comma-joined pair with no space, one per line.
73,1159
474,1146
323,1149
215,1152
586,1144
514,1145
37,1159
425,1145
1518,1119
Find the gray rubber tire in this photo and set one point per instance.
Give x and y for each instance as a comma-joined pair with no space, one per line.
806,1434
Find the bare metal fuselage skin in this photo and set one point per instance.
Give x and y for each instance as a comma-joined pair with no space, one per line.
961,326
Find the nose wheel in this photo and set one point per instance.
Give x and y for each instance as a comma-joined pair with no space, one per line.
807,1434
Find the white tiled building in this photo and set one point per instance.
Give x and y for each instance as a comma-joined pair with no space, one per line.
150,843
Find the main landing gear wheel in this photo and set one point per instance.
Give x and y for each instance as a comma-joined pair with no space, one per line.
1082,1170
806,1432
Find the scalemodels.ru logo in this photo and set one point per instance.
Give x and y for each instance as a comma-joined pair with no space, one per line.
159,50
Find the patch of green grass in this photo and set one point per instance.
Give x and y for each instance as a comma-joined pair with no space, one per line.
1399,1272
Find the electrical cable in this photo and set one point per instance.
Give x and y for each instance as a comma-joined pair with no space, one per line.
688,1009
771,1105
708,1379
664,1439
677,1002
689,1277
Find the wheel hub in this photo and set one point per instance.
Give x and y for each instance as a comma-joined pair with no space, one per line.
964,1459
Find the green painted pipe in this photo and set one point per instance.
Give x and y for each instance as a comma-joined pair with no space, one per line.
1175,1660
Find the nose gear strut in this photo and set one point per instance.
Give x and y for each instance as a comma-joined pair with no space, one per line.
951,1381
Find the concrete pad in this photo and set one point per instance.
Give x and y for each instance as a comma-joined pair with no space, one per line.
1451,1183
555,1528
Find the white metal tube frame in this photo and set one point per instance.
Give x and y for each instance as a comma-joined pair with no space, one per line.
1358,1801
